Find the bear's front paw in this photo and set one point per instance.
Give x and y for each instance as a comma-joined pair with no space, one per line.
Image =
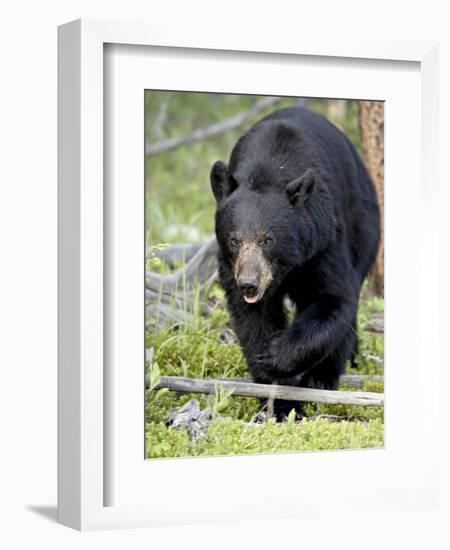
277,360
261,375
283,358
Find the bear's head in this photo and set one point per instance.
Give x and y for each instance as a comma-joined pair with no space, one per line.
265,232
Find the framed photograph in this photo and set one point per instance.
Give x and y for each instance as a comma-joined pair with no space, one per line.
246,229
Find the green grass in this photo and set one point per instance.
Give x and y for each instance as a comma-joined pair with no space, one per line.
229,436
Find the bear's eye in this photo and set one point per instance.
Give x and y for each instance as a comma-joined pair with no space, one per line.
267,241
234,242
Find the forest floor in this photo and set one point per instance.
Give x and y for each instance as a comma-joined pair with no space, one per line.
205,348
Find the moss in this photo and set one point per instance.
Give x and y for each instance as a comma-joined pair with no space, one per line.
195,350
229,436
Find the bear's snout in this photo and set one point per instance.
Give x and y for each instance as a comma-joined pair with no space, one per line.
252,272
248,285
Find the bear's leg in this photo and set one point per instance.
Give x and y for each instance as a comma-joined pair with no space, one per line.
356,345
323,376
282,408
326,374
254,326
318,331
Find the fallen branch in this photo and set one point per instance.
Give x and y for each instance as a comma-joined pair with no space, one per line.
178,253
181,289
153,149
162,315
201,267
358,380
375,325
352,380
249,389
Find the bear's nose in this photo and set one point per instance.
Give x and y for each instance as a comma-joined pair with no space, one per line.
248,285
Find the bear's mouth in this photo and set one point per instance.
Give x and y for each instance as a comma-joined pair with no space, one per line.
252,299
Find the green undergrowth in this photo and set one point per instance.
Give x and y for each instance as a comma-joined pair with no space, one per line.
230,436
197,350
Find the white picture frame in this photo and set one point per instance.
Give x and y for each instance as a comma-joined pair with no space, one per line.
86,499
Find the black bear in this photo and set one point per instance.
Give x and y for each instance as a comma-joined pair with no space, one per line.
297,216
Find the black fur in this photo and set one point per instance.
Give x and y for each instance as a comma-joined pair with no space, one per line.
297,178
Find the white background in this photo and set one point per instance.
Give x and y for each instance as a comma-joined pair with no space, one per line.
28,271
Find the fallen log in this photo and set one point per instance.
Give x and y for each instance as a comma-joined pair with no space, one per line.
201,267
351,380
375,325
272,391
183,289
177,254
161,315
358,380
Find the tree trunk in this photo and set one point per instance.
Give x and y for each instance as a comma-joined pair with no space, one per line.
371,126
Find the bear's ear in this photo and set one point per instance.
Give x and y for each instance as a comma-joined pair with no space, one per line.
300,189
222,182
